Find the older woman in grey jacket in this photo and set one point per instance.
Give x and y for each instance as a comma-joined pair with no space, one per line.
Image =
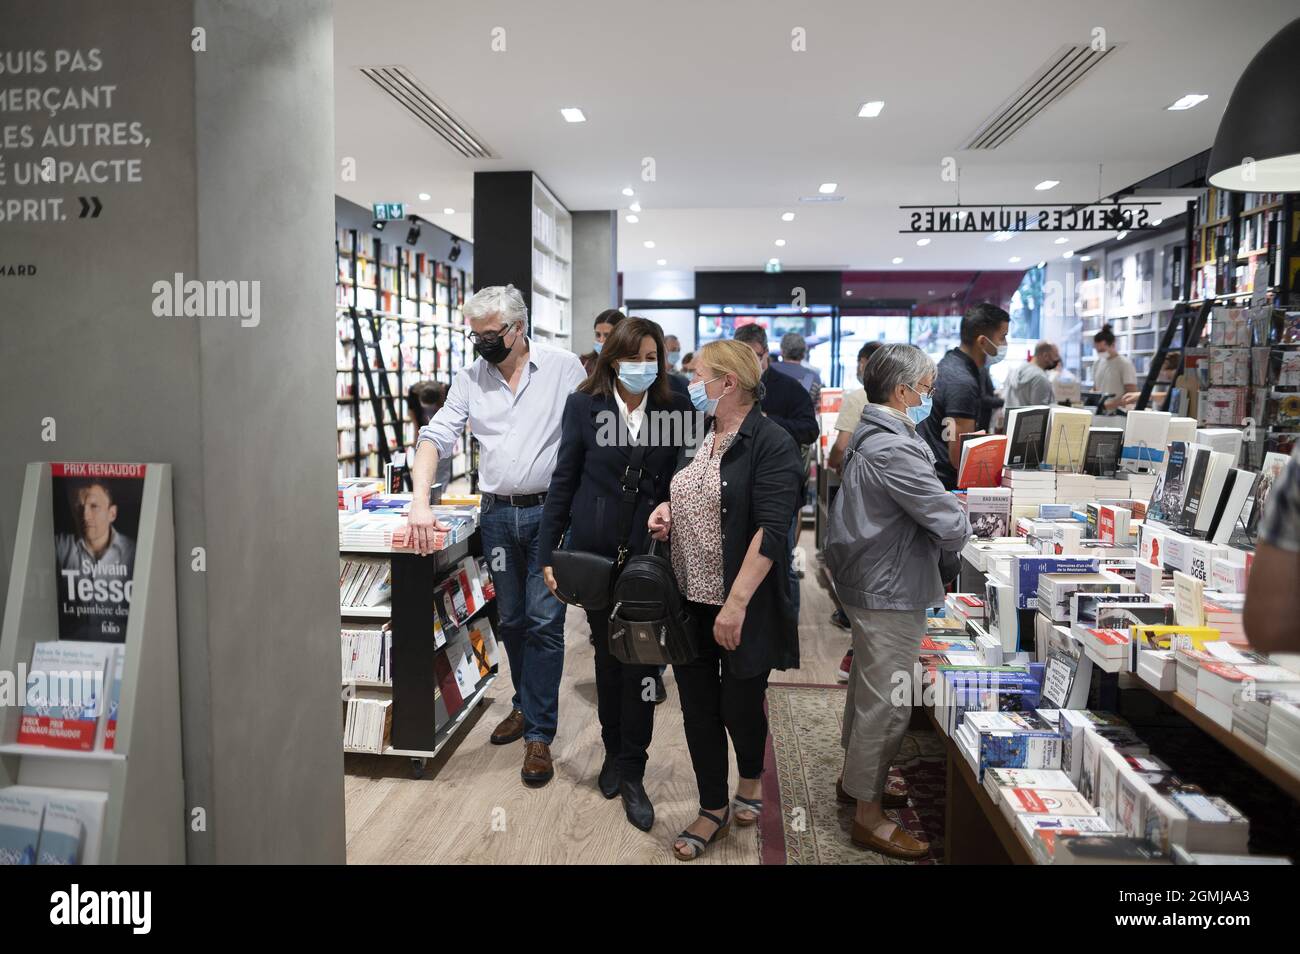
889,523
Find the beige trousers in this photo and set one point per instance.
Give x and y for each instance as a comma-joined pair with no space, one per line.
885,643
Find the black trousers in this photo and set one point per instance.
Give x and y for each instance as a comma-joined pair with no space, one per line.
624,703
716,704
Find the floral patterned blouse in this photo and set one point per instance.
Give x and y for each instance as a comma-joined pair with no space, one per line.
695,499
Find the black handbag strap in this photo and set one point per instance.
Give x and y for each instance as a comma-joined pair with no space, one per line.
631,486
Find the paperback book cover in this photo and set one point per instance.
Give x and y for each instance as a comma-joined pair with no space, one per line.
981,461
1101,456
1027,436
96,521
1167,499
1067,438
20,828
61,835
65,694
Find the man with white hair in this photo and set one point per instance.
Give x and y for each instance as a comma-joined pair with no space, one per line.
513,399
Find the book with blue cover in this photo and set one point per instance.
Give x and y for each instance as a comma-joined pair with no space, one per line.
61,835
20,828
1027,569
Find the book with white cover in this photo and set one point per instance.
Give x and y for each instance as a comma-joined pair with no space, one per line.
1045,801
1216,474
62,835
1146,433
65,694
1182,429
20,827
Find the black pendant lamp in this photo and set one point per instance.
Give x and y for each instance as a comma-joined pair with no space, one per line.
1257,148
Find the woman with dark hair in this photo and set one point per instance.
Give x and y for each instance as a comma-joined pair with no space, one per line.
625,401
425,399
603,327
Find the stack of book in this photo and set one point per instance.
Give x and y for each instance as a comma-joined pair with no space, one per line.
364,582
71,696
1283,742
1075,488
963,690
387,530
989,511
367,656
368,725
1008,740
50,826
1030,488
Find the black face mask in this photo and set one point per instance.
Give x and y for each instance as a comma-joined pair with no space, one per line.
1053,365
494,351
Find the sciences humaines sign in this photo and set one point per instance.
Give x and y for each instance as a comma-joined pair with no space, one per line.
1063,217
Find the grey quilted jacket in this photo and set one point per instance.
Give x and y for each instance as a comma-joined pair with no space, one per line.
890,519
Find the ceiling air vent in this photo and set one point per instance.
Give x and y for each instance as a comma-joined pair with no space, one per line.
1063,71
398,83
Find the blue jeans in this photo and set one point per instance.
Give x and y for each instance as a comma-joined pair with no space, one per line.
531,620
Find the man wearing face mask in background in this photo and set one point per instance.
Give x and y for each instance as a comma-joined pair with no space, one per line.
1029,385
513,399
958,405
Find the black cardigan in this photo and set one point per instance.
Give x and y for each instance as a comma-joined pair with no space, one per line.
762,474
788,404
586,485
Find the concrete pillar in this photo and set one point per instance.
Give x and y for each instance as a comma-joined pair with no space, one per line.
595,272
235,105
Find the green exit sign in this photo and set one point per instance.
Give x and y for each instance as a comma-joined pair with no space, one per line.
386,211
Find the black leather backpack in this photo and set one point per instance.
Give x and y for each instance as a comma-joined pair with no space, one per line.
650,624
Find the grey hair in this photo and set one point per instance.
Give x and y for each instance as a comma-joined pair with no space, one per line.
892,365
504,301
794,346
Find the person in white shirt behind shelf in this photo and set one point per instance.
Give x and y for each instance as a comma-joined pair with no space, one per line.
513,399
851,406
1112,373
1029,385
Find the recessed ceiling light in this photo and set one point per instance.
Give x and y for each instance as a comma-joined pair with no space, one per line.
779,243
1122,235
773,261
1047,184
898,260
1068,253
1013,259
572,114
930,292
648,243
661,261
1156,221
787,216
821,198
627,190
449,211
849,292
827,188
1042,264
923,242
804,309
634,207
1062,240
1188,101
632,220
727,310
1085,258
871,109
425,197
1001,236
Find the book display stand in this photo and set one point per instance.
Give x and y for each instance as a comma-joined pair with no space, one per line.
144,820
416,733
1076,456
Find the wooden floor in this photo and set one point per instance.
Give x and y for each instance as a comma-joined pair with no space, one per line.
471,807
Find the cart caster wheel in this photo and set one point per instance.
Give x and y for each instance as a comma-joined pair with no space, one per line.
417,768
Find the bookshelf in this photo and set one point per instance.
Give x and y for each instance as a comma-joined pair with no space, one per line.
418,729
398,320
1233,233
524,237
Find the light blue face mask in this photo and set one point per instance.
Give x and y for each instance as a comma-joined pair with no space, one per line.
597,346
922,410
673,358
700,397
637,376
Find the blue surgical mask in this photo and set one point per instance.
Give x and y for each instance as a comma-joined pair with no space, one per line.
922,410
597,346
637,376
700,397
673,358
996,357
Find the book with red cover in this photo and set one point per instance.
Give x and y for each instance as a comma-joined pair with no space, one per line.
981,461
451,696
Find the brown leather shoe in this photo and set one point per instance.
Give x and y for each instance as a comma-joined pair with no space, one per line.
899,844
888,799
538,767
511,728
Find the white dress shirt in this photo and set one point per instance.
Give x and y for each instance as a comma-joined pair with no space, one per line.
632,419
518,431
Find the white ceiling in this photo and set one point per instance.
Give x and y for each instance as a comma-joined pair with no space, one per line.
740,126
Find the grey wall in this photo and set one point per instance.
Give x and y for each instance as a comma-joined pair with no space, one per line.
237,186
595,272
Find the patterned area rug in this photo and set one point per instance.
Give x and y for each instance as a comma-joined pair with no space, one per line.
803,761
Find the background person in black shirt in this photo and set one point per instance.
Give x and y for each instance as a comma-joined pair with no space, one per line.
961,403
